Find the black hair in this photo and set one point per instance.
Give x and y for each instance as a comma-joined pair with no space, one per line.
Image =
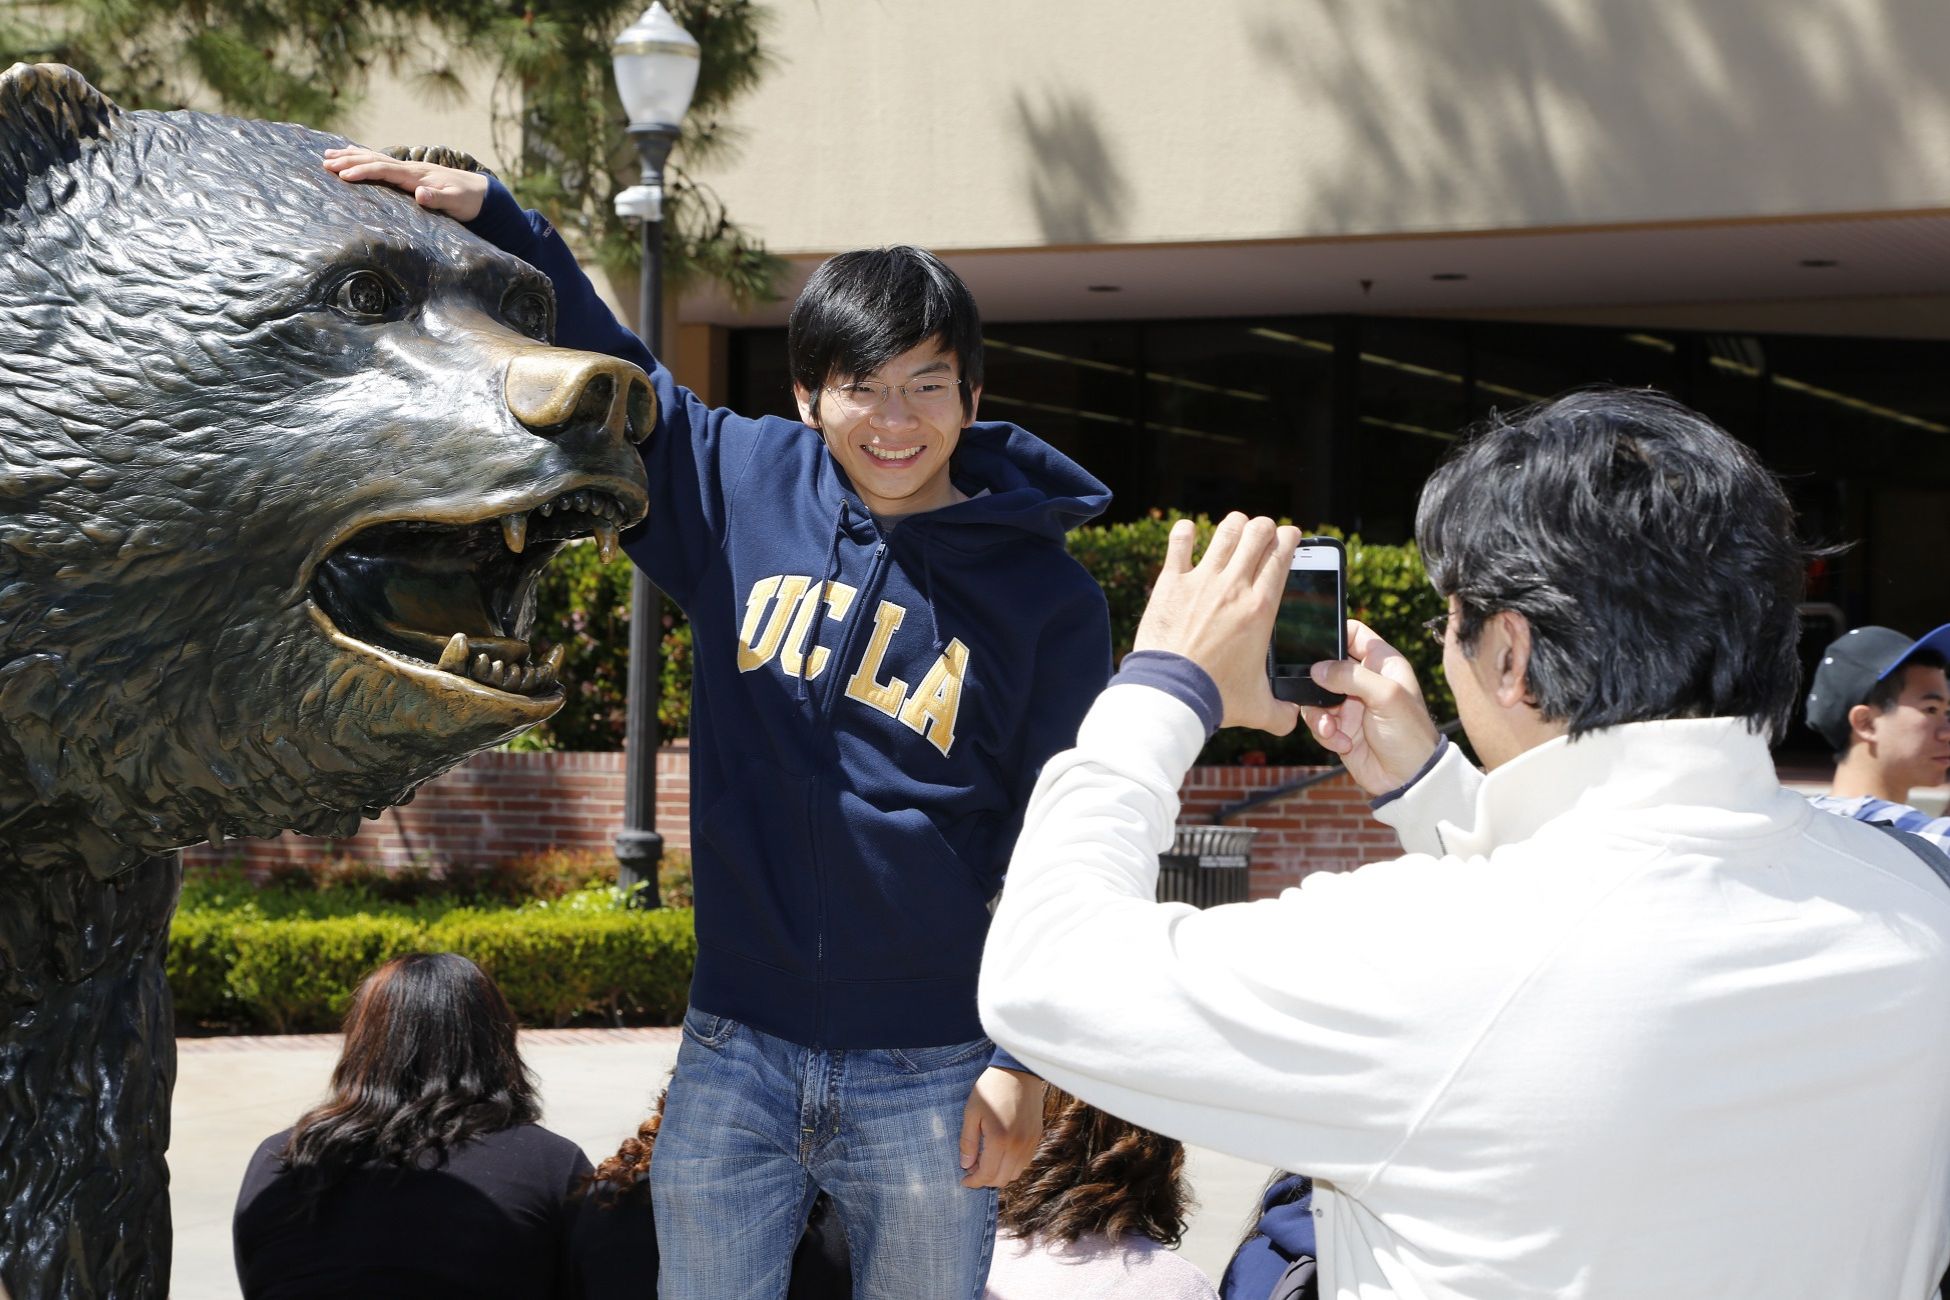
1883,696
1652,555
429,1061
862,309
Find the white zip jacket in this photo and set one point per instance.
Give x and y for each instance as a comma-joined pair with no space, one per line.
1628,1020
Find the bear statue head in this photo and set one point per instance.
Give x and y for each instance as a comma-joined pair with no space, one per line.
281,459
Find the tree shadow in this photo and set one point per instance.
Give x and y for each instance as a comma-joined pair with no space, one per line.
1076,187
1582,113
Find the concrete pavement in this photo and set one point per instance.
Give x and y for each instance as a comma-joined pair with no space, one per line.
596,1084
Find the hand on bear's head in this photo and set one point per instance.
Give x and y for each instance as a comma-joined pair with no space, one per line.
449,190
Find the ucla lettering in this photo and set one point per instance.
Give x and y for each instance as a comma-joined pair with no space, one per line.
781,612
861,686
932,709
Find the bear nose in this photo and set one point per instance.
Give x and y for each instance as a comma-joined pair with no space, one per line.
557,391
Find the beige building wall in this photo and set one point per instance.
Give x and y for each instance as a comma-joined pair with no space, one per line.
400,112
1046,123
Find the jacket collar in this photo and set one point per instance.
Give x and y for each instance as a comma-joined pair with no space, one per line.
1681,776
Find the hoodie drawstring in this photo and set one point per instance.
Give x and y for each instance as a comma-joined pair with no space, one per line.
826,581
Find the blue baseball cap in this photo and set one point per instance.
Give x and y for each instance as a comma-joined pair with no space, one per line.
1850,668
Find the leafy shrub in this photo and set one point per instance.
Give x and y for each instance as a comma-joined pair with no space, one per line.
287,956
201,949
555,966
589,602
583,605
298,974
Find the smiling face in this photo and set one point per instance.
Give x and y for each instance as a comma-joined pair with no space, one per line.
895,446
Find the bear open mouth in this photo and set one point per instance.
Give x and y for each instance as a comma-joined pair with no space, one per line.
462,597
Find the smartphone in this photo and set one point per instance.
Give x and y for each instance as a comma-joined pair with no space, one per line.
1312,622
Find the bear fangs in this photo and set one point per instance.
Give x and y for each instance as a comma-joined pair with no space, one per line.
607,510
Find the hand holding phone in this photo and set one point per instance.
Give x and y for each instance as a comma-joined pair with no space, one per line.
1312,621
1216,613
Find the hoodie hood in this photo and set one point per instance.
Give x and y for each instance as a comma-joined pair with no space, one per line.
1015,482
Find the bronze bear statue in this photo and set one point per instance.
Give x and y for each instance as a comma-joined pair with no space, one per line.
281,459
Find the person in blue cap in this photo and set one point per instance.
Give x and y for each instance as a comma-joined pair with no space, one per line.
1882,703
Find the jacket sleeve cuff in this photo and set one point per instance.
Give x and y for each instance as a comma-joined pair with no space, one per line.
1177,677
1444,791
1382,800
502,222
1003,1061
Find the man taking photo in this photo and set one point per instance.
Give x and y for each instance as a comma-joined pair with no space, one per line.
1627,1018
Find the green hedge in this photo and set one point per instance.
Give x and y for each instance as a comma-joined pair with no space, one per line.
584,604
238,969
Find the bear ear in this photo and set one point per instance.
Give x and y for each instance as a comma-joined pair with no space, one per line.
47,111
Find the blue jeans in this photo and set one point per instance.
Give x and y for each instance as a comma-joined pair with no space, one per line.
756,1126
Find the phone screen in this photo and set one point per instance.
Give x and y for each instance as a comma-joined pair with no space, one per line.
1308,627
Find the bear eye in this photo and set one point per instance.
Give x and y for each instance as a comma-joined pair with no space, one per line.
365,293
529,312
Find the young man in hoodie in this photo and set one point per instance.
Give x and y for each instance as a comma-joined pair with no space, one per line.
890,640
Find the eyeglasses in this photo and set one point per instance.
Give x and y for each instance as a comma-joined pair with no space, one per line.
1438,629
930,392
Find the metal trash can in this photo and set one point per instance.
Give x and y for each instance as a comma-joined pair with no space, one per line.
1207,865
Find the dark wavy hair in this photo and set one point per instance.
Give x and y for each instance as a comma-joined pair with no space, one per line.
1651,553
1095,1173
429,1062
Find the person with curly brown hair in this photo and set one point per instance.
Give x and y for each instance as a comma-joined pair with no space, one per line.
1096,1214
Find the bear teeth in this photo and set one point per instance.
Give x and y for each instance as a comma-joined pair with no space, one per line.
607,512
499,673
454,658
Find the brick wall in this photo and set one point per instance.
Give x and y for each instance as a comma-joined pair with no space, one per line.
498,805
492,807
1325,827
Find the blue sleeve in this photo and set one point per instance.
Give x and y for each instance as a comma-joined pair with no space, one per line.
1001,1060
694,457
1072,668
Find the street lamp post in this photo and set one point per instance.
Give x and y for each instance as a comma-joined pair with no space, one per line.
656,64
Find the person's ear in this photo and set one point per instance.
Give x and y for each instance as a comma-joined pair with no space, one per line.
1862,722
807,411
974,404
1507,634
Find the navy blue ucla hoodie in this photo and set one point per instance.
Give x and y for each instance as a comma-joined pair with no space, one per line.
870,706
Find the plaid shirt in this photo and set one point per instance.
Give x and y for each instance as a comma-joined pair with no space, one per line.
1866,808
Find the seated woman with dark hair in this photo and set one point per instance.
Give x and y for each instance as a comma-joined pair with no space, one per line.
1095,1215
613,1249
424,1173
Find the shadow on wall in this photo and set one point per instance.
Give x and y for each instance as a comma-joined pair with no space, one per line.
1077,190
1449,109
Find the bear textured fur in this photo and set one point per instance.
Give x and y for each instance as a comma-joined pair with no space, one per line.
280,461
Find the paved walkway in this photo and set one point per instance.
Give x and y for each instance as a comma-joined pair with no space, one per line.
596,1084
